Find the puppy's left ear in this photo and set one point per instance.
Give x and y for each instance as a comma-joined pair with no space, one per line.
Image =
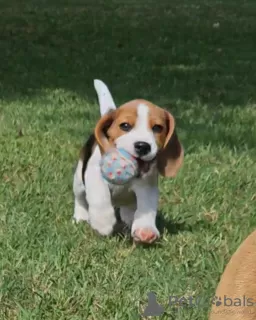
101,131
170,157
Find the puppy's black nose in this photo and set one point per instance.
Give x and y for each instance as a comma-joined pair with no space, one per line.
142,148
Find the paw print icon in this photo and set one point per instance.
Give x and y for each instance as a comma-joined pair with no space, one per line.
216,301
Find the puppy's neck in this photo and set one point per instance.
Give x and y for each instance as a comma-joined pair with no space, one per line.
148,171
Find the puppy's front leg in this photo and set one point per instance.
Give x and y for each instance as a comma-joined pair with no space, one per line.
127,214
101,212
144,225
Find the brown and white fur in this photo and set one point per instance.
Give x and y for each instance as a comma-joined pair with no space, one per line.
238,283
137,121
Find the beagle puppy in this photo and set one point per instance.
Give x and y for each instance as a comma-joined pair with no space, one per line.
147,132
235,297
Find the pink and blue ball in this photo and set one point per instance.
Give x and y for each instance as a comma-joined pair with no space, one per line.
118,166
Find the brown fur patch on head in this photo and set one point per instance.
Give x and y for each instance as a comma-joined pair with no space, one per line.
170,154
128,113
157,118
108,129
125,114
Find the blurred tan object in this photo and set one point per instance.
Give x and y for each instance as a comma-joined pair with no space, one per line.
235,297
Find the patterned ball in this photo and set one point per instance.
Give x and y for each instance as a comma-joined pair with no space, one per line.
118,166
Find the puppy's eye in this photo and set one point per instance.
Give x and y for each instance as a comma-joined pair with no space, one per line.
157,128
125,126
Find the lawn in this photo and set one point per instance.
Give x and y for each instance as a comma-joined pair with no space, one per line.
195,58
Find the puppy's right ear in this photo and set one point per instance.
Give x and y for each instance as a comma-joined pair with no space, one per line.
101,131
106,101
170,157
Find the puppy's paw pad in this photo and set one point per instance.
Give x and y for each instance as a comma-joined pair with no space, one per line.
145,235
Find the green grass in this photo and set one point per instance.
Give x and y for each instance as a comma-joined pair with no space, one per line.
169,53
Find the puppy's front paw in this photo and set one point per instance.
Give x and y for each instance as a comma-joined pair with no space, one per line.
145,235
103,221
81,214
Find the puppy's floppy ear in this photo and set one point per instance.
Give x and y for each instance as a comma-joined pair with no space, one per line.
170,157
101,129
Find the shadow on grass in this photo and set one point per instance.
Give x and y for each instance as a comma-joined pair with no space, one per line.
121,230
174,53
167,51
170,226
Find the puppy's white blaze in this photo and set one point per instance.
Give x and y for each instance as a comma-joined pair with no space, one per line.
106,101
143,131
140,132
142,120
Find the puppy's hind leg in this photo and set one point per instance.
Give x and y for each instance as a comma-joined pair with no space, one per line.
81,205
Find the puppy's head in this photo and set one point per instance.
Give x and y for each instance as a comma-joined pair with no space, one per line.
144,130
